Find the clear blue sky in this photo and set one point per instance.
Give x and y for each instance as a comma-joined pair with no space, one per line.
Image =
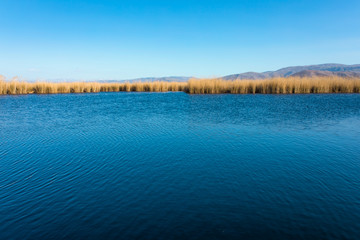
89,40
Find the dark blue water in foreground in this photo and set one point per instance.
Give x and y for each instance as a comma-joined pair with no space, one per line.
178,166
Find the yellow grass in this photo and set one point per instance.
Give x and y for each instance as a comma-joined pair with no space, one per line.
194,86
16,87
276,86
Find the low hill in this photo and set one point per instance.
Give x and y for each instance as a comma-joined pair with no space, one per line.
152,79
337,69
316,73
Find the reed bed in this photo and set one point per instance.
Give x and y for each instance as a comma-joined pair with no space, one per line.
16,87
290,85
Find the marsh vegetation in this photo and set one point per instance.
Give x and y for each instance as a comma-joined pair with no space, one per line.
290,85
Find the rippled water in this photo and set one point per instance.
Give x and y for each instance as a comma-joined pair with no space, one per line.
172,165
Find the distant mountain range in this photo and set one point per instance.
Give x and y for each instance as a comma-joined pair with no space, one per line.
321,70
317,73
331,69
152,79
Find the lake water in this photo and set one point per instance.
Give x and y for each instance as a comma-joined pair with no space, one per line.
178,166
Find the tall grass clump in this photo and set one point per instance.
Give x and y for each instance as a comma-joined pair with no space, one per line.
19,87
289,85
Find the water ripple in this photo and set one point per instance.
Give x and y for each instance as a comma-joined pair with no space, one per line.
160,166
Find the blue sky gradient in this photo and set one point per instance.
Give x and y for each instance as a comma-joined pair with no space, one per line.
93,40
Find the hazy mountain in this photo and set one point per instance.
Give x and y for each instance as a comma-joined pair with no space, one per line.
330,69
316,73
337,69
153,79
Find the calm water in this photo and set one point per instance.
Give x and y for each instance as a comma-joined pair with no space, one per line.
176,166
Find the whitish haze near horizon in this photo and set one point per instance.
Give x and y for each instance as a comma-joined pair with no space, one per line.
93,40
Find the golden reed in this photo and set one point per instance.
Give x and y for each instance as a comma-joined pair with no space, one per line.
290,85
16,87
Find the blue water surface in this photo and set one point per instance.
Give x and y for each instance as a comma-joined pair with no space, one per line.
179,166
